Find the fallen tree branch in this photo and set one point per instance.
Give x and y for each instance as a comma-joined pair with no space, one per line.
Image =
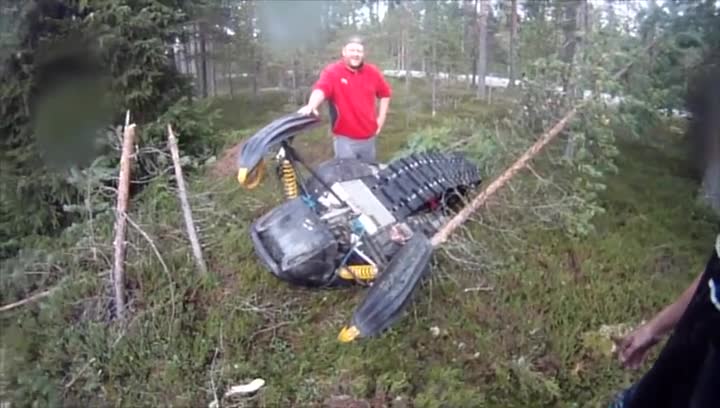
182,194
118,274
27,300
442,235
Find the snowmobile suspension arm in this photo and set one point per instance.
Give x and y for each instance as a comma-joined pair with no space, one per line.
293,156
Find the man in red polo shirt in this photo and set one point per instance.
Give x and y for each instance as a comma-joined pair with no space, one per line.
351,86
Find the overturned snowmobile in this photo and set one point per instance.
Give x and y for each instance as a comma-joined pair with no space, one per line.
349,222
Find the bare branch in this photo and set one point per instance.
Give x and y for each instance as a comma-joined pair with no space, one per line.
30,299
118,276
187,214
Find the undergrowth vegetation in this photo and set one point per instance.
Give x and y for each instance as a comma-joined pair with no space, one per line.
597,233
506,319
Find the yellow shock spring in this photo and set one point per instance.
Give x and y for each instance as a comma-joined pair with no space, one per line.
289,180
362,272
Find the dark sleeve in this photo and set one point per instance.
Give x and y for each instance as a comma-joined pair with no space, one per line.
675,372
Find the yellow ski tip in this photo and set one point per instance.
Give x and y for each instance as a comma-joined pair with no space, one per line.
242,176
348,334
250,178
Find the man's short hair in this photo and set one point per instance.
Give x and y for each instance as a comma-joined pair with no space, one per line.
354,39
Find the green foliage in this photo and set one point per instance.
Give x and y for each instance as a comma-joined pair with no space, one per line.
445,386
193,124
685,35
483,145
78,69
134,38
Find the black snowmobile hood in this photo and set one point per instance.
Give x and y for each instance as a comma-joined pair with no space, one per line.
275,132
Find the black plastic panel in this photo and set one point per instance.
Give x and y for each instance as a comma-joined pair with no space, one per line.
296,245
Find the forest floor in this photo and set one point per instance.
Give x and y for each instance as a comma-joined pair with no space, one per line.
524,340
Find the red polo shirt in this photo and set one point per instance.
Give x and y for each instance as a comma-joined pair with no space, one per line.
352,96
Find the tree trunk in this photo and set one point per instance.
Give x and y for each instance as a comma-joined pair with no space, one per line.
256,52
256,74
213,68
482,48
118,272
203,61
196,60
377,11
187,56
401,52
513,42
434,62
567,54
434,100
293,97
474,29
567,51
230,73
649,35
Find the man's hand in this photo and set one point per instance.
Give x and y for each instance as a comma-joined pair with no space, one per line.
634,347
380,123
307,110
316,98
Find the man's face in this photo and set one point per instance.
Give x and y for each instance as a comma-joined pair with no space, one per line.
353,54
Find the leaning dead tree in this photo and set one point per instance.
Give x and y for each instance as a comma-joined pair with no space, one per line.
184,203
118,272
442,235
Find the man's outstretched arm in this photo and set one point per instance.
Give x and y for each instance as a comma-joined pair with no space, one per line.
316,98
322,89
635,346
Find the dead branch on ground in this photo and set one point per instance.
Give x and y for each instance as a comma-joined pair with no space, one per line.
187,213
30,299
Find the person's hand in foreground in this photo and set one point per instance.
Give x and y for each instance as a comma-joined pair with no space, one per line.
633,349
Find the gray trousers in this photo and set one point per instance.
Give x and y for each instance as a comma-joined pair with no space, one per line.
347,148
